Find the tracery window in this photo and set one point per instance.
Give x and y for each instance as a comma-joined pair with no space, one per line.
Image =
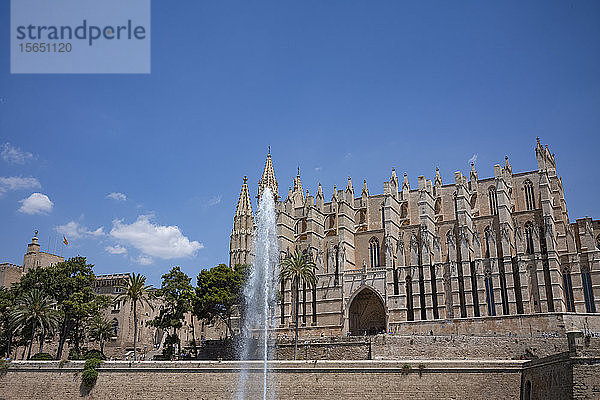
489,293
588,292
115,326
529,237
493,198
568,289
529,197
374,252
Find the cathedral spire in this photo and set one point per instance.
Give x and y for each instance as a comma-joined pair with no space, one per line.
365,191
243,226
268,179
244,205
298,183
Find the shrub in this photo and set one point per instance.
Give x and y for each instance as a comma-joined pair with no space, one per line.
89,377
406,369
94,354
4,364
90,374
92,363
42,357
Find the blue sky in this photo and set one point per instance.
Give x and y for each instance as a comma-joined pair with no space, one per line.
338,88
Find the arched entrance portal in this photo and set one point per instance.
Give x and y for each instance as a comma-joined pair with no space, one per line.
367,313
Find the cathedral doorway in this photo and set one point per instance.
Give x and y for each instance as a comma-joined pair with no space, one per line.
367,313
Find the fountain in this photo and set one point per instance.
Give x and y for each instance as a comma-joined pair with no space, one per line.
260,293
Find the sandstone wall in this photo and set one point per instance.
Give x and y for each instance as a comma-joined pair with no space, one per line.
347,380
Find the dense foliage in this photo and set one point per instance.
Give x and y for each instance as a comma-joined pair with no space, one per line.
219,291
55,300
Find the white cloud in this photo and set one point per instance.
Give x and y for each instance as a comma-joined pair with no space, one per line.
116,196
117,249
318,168
213,201
144,260
154,240
473,159
14,155
17,183
74,230
37,203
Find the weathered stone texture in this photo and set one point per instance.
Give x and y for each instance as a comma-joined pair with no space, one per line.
301,380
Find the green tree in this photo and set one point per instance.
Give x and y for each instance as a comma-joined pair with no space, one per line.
137,292
7,300
35,310
175,295
99,330
299,269
219,290
71,284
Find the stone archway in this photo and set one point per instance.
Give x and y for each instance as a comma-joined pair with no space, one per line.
366,313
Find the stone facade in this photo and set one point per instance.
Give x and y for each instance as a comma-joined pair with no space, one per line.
475,248
33,258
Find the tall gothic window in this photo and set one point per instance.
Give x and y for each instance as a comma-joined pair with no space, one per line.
474,289
529,197
314,304
489,293
487,233
410,312
493,197
282,305
529,237
598,242
374,252
568,290
588,292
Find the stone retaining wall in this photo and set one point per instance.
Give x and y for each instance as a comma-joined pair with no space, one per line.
347,380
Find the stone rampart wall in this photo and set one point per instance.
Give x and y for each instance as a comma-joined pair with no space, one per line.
347,380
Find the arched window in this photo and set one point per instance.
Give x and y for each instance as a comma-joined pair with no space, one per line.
588,293
527,394
568,289
489,293
374,252
493,197
598,242
529,237
529,197
115,326
487,234
410,312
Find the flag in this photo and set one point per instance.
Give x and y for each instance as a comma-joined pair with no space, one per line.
65,241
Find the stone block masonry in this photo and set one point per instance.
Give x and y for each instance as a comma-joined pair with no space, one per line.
347,380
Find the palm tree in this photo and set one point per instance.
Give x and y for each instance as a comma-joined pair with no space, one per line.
298,268
136,291
100,329
35,310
